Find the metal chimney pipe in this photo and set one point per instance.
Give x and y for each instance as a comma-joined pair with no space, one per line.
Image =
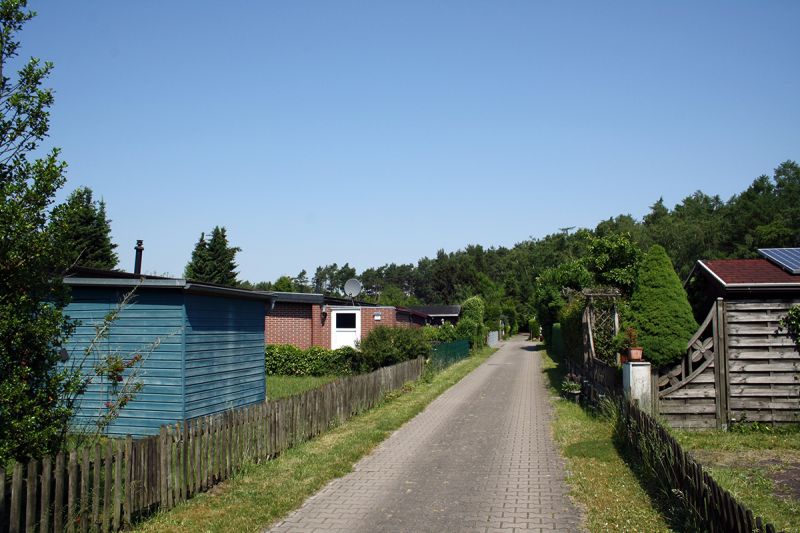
137,267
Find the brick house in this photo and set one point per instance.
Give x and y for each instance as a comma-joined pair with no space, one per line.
306,320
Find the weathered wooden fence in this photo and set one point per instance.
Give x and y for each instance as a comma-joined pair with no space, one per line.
714,507
739,366
111,486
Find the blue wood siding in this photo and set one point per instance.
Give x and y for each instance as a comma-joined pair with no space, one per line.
224,364
152,315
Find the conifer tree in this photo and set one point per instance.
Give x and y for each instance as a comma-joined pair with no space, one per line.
660,310
214,261
197,267
81,232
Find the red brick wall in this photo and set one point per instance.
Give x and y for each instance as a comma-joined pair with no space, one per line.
290,323
304,325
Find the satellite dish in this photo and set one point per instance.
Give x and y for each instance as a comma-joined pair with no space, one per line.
352,287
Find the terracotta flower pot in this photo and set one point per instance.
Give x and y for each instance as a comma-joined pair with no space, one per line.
635,354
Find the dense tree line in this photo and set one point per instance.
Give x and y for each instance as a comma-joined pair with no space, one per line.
766,214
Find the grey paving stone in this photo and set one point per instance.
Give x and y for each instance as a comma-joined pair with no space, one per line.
478,458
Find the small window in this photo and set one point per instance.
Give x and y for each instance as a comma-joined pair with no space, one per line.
345,321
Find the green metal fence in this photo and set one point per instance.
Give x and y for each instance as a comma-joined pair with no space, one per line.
447,353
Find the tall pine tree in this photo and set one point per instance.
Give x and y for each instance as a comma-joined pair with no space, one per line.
197,267
81,232
214,261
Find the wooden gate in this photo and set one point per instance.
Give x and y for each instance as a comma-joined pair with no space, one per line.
739,367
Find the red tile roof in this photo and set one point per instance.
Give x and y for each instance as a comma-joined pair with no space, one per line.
749,272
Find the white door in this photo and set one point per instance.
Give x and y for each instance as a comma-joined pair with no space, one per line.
346,327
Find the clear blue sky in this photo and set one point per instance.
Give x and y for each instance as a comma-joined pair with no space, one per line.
375,132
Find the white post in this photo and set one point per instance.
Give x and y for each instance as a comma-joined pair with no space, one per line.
636,384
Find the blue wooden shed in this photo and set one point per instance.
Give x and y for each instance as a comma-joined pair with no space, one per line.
210,353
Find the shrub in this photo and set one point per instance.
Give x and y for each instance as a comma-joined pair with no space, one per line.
471,330
660,310
473,309
571,321
533,328
437,334
386,346
557,342
289,360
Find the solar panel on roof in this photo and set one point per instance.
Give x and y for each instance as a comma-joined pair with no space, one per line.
786,258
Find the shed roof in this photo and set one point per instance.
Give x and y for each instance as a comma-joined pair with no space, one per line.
749,274
91,277
438,310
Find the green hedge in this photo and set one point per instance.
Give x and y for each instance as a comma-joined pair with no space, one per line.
556,341
571,328
288,360
385,346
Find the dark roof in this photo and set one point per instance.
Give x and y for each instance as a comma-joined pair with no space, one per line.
748,274
92,277
413,312
438,310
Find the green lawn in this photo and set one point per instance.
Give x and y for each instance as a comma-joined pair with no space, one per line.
759,467
283,386
262,494
600,478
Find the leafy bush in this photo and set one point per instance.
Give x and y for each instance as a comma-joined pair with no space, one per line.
557,342
385,346
289,360
570,319
533,328
437,334
473,309
660,310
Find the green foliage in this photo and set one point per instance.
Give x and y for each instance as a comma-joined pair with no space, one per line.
330,279
614,260
438,334
213,261
385,346
81,232
197,268
791,323
548,297
288,360
534,329
571,327
660,310
473,309
33,412
283,284
557,341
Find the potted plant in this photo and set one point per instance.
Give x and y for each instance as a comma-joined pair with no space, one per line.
634,350
627,343
571,387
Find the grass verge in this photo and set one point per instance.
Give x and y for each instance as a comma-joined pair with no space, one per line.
759,467
283,386
262,494
600,479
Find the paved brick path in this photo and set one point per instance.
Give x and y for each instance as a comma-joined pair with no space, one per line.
479,458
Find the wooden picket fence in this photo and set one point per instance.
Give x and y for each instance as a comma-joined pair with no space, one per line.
713,506
111,486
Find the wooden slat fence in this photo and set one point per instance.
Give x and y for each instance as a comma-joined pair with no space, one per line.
714,507
763,363
109,487
739,367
